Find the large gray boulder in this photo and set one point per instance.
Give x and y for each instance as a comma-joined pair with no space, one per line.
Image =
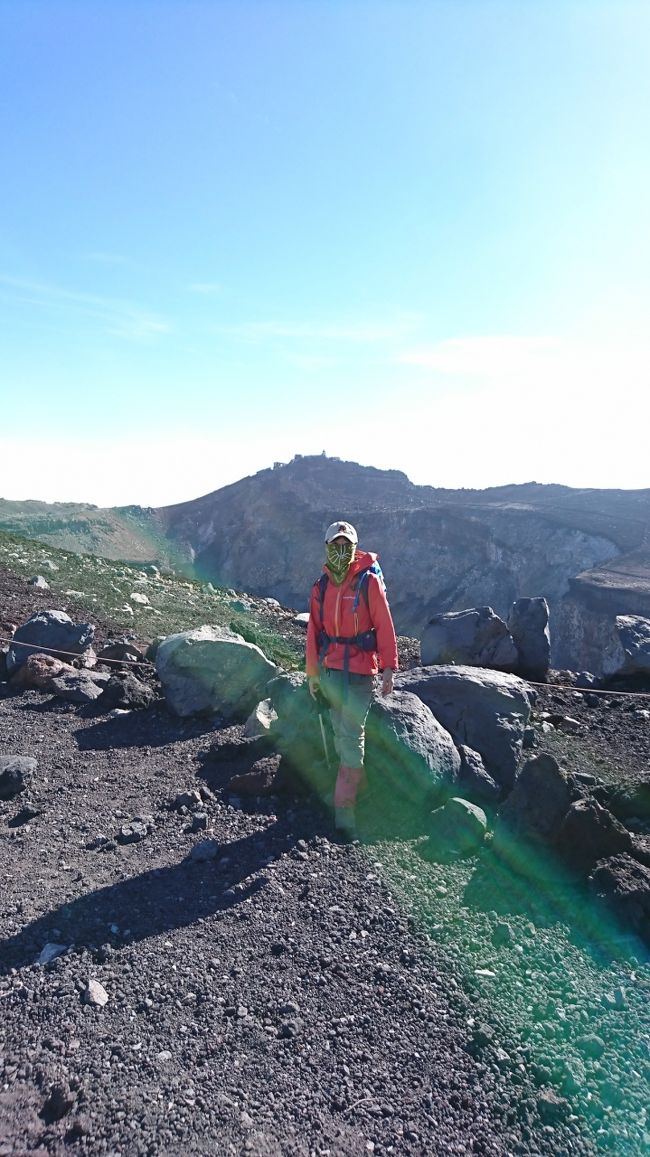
485,710
628,651
410,758
212,670
49,632
528,625
306,743
477,637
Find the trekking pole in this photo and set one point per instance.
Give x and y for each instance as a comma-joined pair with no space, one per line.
321,706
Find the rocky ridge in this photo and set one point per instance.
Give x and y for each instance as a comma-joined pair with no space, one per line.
405,1014
585,551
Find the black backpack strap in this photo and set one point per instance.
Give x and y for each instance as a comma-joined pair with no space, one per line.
322,587
363,583
323,640
361,587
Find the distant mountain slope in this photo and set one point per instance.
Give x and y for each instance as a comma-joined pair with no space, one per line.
318,483
587,551
121,532
441,549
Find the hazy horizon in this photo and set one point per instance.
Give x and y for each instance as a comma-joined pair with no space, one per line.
269,465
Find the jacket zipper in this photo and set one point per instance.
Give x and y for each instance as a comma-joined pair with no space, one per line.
337,608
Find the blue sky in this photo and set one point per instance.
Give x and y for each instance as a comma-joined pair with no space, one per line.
411,234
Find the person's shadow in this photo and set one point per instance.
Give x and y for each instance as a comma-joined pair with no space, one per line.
152,903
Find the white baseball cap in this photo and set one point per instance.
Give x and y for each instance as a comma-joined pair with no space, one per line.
341,529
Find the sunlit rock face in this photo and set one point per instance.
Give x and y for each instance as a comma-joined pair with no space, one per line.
441,550
586,617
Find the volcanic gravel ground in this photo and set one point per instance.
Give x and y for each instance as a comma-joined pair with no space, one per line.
18,602
614,743
295,995
273,1001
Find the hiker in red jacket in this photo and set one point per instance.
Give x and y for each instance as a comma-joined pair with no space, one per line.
350,638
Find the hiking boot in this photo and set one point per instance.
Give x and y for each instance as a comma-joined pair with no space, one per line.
344,822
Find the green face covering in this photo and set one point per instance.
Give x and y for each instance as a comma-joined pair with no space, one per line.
339,555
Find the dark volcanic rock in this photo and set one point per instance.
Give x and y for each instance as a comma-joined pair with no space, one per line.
456,829
132,833
125,691
477,784
262,779
589,833
476,637
205,850
629,799
485,710
59,1102
79,687
120,651
52,632
629,649
624,885
537,804
16,774
528,625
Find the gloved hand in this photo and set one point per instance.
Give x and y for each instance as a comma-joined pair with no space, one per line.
314,686
387,681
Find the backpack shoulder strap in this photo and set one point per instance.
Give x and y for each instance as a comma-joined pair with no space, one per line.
361,586
322,587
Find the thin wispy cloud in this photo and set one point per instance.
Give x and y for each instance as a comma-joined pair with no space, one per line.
101,258
361,330
480,355
118,318
553,363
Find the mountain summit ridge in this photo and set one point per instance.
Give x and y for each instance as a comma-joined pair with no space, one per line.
441,549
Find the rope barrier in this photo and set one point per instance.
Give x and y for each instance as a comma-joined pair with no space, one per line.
54,651
147,663
591,690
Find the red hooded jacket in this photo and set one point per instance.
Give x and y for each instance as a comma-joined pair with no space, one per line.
340,619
